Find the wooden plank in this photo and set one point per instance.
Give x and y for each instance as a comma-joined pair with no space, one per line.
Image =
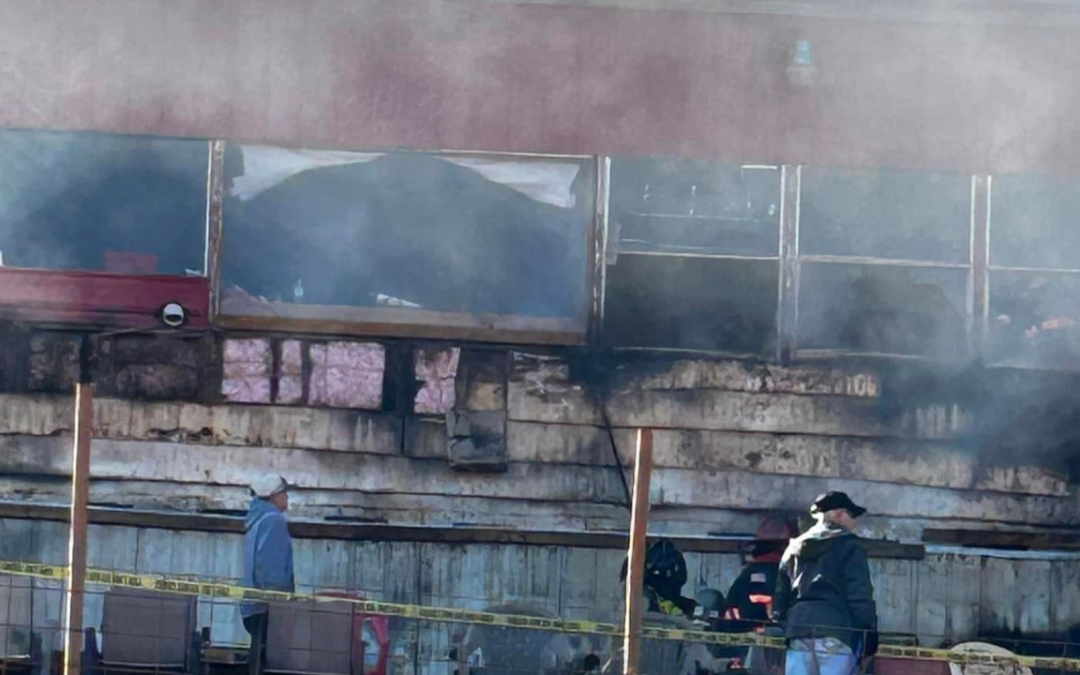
741,490
728,375
313,469
895,594
788,310
1043,541
635,578
949,596
543,392
130,518
214,231
678,488
379,322
929,464
98,298
76,561
237,425
1023,610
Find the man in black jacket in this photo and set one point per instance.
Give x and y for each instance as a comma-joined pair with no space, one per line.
824,596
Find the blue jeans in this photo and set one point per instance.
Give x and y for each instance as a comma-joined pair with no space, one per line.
827,656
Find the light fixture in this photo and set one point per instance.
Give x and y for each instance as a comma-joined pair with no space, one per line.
801,70
173,315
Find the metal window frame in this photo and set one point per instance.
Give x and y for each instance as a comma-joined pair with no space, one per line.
785,200
988,270
376,322
972,267
136,295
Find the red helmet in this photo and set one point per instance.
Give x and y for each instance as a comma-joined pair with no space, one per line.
772,538
775,528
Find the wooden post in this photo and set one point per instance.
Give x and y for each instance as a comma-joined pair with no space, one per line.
635,577
80,493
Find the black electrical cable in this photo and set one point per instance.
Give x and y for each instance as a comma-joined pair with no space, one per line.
614,450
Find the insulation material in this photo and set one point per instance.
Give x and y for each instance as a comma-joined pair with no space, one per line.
291,375
265,167
248,365
548,182
437,369
545,182
347,374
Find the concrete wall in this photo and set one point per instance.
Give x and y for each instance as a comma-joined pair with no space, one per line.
946,598
732,440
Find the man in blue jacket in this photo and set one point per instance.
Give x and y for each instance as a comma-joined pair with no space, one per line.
268,559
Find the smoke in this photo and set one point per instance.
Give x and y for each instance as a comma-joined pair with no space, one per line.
922,91
502,236
102,203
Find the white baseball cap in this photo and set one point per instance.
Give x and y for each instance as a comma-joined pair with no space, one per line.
269,485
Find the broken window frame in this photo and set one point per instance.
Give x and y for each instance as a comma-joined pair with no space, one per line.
393,322
607,256
791,278
104,299
984,222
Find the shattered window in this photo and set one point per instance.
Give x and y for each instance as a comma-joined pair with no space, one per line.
687,206
884,262
693,253
408,238
881,213
1033,318
883,309
693,303
1035,222
102,203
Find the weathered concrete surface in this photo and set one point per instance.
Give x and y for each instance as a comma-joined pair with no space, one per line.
157,368
385,508
878,460
938,598
240,425
238,466
447,511
741,376
481,380
931,464
53,363
541,389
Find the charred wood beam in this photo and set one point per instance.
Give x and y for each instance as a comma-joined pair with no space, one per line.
368,532
1041,541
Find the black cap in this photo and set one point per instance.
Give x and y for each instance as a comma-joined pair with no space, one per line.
836,500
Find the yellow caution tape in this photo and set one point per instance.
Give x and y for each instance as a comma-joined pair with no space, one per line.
217,589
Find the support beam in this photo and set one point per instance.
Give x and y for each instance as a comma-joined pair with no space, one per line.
635,577
80,492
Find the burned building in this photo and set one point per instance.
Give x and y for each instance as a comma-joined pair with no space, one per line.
430,251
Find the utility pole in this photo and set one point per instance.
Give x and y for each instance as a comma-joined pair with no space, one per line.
635,577
80,494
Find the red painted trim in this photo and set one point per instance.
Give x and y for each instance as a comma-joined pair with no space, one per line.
99,298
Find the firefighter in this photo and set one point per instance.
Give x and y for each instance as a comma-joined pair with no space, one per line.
824,595
750,598
665,576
